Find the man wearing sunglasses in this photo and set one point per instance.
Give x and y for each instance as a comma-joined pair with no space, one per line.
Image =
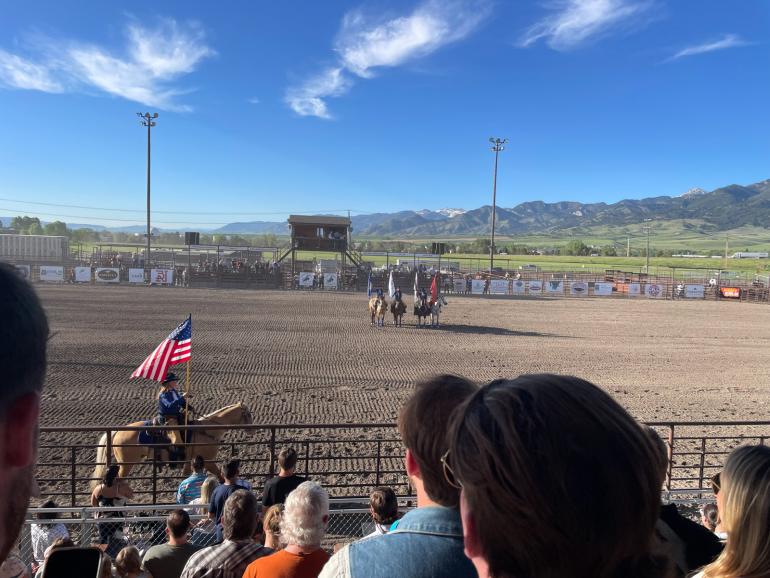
428,540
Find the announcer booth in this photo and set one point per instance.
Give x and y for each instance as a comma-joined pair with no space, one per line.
319,233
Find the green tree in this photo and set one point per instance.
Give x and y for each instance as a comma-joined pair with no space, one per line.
27,225
577,247
609,251
56,228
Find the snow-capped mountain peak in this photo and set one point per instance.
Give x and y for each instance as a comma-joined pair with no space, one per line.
451,212
693,193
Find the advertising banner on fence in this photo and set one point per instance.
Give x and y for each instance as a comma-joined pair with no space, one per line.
518,287
136,275
459,285
578,288
82,274
107,275
694,291
634,289
498,286
554,286
477,286
306,279
730,292
602,289
52,274
24,270
162,276
655,291
330,280
535,287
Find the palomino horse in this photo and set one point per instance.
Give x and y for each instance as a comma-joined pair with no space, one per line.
398,308
377,309
127,451
435,310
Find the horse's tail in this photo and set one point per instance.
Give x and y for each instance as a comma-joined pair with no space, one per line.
101,461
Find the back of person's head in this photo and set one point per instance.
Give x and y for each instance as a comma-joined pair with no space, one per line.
48,504
716,483
710,516
305,514
423,423
111,475
383,505
239,519
23,340
207,488
106,571
661,452
178,523
128,561
198,463
272,520
230,470
558,480
287,459
745,515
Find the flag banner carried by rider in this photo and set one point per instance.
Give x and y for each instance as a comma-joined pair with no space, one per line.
176,348
434,289
369,285
391,286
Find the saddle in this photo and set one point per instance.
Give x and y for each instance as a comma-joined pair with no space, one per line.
153,437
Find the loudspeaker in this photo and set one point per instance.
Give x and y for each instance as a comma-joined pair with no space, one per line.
192,238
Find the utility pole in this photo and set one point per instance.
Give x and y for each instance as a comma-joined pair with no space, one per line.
497,146
148,120
628,246
647,264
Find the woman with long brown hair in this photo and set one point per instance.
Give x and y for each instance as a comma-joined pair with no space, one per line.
744,509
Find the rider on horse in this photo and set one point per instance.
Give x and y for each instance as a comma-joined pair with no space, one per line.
172,406
397,294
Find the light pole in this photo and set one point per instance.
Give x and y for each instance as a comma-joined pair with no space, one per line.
497,145
148,120
647,264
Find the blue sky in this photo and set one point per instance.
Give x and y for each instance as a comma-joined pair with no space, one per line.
275,107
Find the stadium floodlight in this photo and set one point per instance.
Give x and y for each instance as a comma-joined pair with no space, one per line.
146,121
497,146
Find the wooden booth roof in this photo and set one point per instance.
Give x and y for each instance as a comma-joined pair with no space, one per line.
319,220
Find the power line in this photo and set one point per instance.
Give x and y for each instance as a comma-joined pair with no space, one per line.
107,219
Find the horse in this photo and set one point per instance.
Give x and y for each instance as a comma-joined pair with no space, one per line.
435,310
422,310
398,308
127,450
377,309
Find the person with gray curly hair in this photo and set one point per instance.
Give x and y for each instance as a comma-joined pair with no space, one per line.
303,526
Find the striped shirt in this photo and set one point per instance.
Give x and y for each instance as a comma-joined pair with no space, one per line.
190,489
227,560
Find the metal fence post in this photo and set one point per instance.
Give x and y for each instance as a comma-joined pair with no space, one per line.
702,461
108,452
73,473
377,464
155,476
670,456
272,451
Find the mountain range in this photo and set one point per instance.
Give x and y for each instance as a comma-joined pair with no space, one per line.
724,208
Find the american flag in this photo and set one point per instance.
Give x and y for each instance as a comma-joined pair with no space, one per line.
176,348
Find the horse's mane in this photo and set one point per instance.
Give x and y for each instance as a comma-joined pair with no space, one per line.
221,410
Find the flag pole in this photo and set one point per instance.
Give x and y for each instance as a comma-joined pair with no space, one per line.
187,393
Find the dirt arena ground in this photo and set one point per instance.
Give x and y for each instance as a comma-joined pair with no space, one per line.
314,358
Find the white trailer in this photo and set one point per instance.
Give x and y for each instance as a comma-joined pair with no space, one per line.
34,247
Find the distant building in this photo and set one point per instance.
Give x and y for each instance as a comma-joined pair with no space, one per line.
748,255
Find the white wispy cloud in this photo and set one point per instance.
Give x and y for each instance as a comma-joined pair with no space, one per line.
365,43
727,41
145,72
253,100
574,22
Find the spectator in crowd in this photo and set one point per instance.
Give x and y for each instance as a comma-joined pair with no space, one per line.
245,484
23,339
744,506
230,558
168,560
58,543
688,544
716,486
557,480
280,486
106,571
190,488
709,516
271,526
383,506
43,535
205,533
303,525
207,489
128,564
222,493
112,492
14,566
429,539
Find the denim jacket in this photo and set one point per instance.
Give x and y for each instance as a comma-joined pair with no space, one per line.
428,543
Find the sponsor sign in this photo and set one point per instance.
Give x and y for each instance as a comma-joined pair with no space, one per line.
535,287
634,289
459,285
306,279
24,270
82,274
330,280
107,275
518,287
52,274
694,291
162,276
578,288
136,275
602,289
498,286
477,286
730,292
655,291
554,287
